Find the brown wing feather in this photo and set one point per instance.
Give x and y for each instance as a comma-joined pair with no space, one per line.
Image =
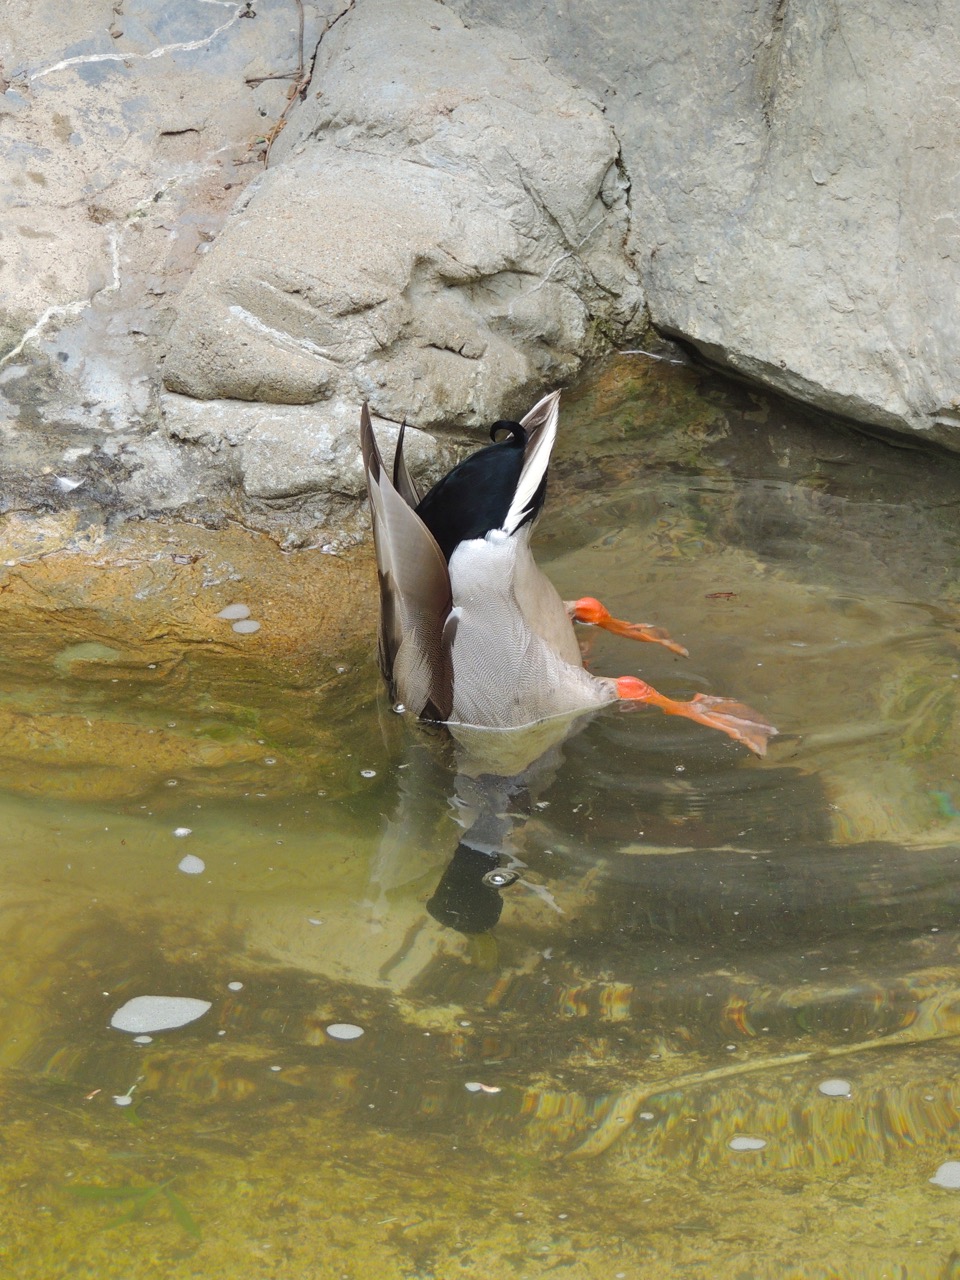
415,599
403,481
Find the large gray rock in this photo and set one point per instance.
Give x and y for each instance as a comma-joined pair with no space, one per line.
441,231
126,134
795,172
467,200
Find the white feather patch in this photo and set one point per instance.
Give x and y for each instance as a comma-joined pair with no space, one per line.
541,422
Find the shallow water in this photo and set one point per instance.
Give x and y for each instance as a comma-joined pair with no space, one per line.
698,943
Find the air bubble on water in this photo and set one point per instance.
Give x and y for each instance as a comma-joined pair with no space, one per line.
143,1014
744,1143
835,1088
948,1176
344,1031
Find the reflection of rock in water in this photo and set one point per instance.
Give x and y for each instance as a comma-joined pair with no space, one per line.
627,1058
616,788
765,908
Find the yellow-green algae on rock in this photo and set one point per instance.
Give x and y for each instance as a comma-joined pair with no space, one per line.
109,628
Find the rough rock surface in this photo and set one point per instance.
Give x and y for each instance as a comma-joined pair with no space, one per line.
126,133
795,172
441,231
463,201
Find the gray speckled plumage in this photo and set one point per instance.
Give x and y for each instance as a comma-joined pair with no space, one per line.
485,640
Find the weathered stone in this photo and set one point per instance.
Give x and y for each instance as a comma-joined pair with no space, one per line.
286,450
123,145
794,185
459,208
441,232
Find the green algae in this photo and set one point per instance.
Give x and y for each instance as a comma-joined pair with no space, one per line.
137,1198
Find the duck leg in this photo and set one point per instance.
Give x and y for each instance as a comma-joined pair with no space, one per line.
730,717
592,612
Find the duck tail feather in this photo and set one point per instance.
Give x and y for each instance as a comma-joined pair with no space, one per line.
541,427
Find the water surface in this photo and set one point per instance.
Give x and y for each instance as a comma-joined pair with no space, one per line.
701,945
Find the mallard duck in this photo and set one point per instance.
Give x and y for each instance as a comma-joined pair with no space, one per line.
471,631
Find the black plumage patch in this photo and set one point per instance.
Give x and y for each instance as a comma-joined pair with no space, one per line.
475,496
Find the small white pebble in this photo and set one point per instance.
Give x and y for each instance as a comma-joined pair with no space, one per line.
183,831
143,1039
235,986
344,1031
746,1144
948,1176
474,1086
647,1115
276,1068
235,612
191,865
123,1099
835,1088
246,627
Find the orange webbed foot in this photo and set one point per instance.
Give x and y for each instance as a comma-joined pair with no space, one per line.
733,718
591,611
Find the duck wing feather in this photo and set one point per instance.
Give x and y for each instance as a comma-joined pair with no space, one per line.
415,599
403,481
